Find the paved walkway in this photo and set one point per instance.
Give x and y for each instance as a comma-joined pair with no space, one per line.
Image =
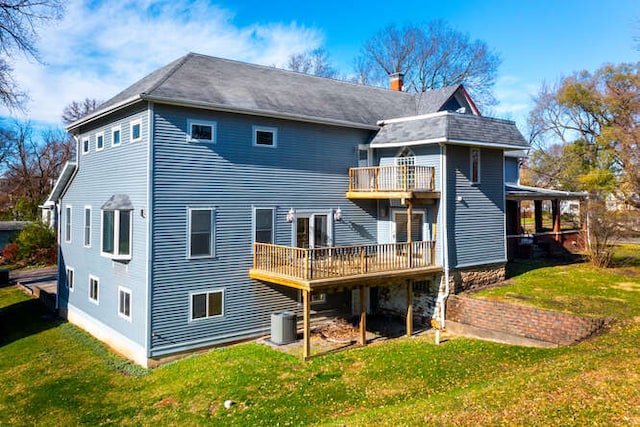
41,282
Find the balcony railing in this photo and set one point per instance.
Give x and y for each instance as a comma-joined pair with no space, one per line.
403,178
342,261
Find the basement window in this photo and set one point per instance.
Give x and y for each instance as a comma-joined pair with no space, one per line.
207,304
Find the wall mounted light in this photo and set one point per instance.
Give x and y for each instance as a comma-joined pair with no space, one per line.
459,199
337,215
291,215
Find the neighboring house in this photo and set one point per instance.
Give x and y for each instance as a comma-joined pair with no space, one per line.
10,229
213,193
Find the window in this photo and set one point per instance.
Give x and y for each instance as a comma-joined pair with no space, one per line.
116,234
475,166
100,141
265,137
87,226
207,304
201,131
201,233
94,287
70,278
263,223
124,303
85,146
318,298
136,130
115,136
67,224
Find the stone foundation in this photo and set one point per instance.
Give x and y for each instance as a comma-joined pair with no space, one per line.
476,278
392,300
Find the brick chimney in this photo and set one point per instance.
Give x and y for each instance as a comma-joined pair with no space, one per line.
396,80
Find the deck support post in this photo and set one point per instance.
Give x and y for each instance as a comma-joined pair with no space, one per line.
537,215
306,336
555,213
363,316
409,307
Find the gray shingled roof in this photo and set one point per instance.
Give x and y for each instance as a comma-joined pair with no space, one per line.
210,82
451,127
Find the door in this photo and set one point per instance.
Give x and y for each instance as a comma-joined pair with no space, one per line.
312,231
399,227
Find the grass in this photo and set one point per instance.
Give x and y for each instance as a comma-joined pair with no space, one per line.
55,374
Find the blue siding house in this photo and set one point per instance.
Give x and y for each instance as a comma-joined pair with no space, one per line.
213,193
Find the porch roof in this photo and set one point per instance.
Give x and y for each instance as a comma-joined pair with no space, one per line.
523,192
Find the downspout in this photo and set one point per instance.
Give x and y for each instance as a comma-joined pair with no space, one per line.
150,211
56,214
442,297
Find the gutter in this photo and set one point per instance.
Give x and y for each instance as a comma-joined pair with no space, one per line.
257,112
102,113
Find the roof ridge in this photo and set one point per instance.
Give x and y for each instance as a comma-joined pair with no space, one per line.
170,72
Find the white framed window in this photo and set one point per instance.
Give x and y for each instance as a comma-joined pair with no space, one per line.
70,277
94,289
263,225
201,131
136,130
87,226
124,303
67,223
265,136
115,136
201,241
117,231
474,172
100,141
208,304
85,145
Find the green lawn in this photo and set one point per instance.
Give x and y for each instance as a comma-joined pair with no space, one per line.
54,374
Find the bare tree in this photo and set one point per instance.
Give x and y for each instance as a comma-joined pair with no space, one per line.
430,56
77,110
33,165
315,62
19,20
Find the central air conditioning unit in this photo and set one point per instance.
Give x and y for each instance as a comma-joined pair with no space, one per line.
284,327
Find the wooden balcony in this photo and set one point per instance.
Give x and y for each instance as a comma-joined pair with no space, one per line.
342,266
392,182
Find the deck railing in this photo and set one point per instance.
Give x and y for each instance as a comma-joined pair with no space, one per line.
342,261
392,178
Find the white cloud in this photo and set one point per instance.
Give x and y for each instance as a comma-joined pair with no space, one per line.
515,99
99,49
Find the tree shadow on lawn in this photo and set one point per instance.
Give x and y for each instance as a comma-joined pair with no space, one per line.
23,319
520,266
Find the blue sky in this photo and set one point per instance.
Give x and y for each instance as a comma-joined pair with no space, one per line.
101,47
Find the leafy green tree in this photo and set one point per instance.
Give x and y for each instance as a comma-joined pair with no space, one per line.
596,116
36,244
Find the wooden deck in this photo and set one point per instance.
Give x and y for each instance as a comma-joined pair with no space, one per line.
392,182
342,266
